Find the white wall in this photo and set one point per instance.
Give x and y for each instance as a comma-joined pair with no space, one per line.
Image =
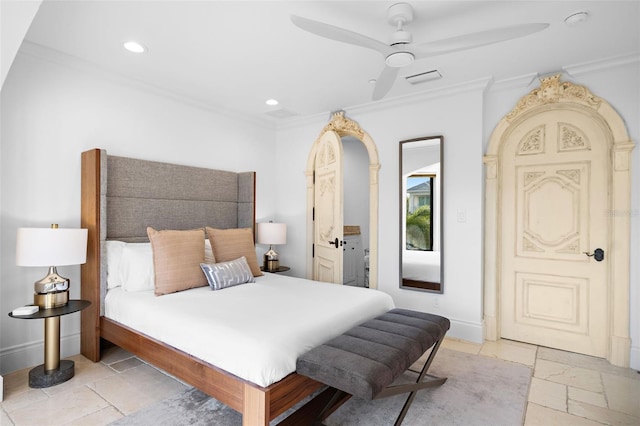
15,19
388,123
466,117
52,112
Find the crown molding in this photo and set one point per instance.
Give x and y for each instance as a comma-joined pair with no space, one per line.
531,79
43,53
441,92
583,68
516,82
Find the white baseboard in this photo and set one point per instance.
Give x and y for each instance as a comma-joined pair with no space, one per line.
32,354
471,332
634,359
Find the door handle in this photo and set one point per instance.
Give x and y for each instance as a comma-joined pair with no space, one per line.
335,242
598,254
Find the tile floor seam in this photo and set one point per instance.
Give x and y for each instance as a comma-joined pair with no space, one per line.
86,385
111,403
604,392
528,401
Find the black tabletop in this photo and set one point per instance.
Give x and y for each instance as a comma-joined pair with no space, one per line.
69,308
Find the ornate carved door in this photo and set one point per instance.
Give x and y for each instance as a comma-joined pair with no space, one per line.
558,183
328,226
554,213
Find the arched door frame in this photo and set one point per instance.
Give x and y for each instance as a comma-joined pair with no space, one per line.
555,94
344,126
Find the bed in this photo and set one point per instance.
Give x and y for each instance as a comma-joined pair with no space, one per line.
421,265
120,198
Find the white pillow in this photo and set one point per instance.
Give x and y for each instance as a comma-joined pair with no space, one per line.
208,252
136,267
130,265
114,259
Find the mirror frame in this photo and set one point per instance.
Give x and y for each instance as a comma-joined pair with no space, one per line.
434,287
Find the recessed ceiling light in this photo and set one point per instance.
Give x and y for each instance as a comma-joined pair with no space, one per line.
576,18
134,46
271,102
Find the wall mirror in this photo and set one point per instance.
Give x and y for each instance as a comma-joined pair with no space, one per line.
421,236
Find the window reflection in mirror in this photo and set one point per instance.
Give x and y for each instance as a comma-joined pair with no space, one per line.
418,215
421,213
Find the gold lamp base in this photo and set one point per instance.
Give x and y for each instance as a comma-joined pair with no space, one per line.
271,261
52,291
51,300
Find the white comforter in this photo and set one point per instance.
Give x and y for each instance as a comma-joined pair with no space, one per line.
421,265
255,331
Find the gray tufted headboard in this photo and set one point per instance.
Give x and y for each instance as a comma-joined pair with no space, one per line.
143,193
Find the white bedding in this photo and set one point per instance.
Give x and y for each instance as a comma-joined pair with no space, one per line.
421,265
255,331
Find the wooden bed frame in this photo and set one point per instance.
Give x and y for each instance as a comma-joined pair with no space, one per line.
258,405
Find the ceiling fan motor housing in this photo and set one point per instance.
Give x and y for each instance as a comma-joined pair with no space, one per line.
400,13
400,37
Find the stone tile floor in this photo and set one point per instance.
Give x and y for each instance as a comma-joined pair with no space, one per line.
566,389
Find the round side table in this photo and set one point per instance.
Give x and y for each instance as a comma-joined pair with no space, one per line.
53,371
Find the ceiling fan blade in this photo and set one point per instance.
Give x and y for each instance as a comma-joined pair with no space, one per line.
385,82
340,34
472,40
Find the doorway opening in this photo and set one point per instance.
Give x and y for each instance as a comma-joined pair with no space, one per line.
345,127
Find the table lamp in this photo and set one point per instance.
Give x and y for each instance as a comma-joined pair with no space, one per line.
51,247
272,234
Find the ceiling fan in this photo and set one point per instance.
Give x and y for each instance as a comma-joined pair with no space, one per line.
401,51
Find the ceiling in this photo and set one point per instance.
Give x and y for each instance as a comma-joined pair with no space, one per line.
234,55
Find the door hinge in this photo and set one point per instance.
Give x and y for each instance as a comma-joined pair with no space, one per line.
313,250
313,213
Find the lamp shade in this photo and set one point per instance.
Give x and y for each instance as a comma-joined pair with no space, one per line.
272,233
51,246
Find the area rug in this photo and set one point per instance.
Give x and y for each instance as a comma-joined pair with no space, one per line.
479,391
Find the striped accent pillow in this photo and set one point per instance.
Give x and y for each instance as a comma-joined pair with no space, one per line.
227,274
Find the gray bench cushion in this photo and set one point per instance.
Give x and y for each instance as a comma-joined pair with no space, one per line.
369,357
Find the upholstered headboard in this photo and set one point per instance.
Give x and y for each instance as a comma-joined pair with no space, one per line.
143,193
121,197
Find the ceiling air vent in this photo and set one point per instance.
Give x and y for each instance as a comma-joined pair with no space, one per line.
424,76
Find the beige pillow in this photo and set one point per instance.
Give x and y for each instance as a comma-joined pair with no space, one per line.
177,256
231,244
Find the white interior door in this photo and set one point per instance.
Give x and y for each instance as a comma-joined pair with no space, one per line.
328,222
554,196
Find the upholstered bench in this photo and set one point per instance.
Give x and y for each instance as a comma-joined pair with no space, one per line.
367,359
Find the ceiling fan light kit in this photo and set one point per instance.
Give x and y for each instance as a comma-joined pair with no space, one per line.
401,51
399,59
